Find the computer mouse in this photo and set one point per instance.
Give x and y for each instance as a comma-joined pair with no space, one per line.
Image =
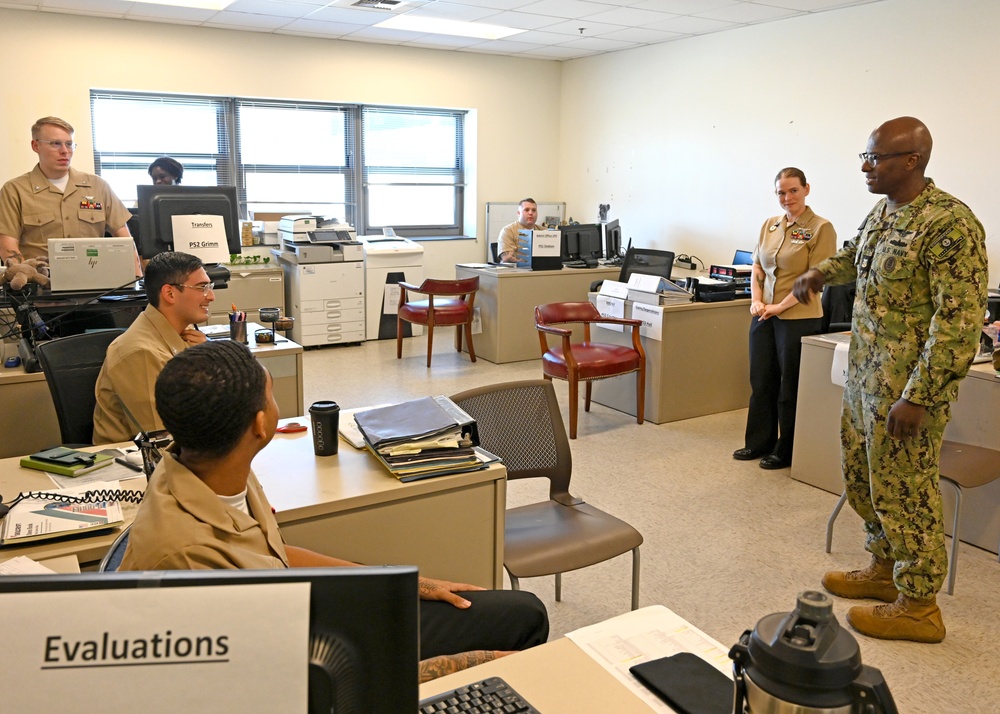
12,362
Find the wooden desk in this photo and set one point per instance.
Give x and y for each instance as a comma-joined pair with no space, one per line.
816,453
507,299
348,506
701,366
28,411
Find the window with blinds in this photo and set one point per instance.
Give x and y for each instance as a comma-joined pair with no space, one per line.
370,166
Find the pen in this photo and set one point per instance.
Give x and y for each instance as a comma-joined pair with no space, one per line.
128,464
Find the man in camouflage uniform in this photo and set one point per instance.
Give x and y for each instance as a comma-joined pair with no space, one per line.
920,263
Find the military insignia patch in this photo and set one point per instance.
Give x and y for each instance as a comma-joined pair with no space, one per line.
947,245
890,264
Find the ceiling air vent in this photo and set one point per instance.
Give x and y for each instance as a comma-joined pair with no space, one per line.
378,4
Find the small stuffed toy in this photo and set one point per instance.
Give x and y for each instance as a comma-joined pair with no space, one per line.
21,272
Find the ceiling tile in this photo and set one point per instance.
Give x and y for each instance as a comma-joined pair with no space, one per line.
559,52
523,21
247,20
684,7
116,8
275,8
565,8
630,17
643,35
572,27
691,25
319,28
749,12
146,11
452,11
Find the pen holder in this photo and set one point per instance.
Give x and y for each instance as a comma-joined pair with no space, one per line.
238,331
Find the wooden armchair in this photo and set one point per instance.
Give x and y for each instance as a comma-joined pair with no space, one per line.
449,302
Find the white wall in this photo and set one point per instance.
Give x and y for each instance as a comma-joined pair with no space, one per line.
684,138
51,62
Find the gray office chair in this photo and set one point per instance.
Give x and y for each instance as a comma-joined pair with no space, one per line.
962,466
71,365
521,423
113,558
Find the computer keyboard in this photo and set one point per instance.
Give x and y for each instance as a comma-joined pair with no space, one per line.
489,695
575,264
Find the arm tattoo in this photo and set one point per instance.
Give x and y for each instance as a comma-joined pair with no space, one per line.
449,664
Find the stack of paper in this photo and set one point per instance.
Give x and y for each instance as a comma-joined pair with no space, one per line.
425,437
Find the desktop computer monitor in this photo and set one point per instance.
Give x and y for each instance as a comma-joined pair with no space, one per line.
612,240
583,242
363,626
158,205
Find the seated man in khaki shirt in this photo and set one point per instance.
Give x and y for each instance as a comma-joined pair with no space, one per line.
204,508
54,200
179,294
527,214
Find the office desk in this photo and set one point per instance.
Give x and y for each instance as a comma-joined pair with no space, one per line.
974,420
347,506
701,366
29,414
350,507
507,299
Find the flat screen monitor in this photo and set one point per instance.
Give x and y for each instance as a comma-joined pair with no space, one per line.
158,205
612,240
583,241
363,626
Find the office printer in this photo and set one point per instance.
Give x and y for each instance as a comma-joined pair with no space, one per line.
316,239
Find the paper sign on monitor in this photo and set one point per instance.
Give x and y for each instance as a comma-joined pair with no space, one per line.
202,236
545,244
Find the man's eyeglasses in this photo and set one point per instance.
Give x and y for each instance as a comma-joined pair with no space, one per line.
873,159
204,287
58,145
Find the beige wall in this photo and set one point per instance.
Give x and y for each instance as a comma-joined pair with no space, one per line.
51,62
688,135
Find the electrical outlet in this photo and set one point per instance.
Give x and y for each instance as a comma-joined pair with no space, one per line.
688,264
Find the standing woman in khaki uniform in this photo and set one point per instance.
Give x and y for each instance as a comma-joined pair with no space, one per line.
789,245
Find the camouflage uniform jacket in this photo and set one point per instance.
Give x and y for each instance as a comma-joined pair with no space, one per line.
921,295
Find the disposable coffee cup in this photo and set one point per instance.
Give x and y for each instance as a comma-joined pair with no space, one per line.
238,331
324,417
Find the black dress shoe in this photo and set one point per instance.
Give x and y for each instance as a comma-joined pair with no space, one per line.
773,462
746,454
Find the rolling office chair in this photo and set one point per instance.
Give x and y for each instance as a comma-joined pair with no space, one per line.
71,365
962,466
520,422
113,558
585,361
642,260
454,306
838,307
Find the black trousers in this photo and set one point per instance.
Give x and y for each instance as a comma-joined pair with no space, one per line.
775,353
498,620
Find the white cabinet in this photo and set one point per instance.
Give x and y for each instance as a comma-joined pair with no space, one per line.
251,287
327,301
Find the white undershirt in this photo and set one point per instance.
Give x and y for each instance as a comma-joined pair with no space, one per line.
60,183
239,501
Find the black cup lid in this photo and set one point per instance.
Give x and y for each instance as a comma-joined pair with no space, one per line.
324,407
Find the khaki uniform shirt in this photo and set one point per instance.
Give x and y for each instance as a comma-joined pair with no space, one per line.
508,238
786,250
130,369
182,524
33,210
921,295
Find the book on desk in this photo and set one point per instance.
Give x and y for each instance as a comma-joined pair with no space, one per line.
48,514
422,438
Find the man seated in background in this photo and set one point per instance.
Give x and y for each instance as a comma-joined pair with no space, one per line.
204,508
179,294
527,214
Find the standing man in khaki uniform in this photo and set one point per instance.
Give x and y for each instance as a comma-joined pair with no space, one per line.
920,263
54,200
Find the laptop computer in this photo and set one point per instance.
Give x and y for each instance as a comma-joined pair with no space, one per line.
743,257
77,264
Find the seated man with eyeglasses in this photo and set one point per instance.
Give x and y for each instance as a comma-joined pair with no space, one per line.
54,200
179,294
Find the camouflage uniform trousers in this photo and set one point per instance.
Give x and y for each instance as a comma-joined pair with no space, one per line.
894,486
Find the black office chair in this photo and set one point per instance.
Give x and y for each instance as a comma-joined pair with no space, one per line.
71,366
838,308
642,260
113,558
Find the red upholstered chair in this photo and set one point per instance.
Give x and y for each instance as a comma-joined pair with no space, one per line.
584,361
449,302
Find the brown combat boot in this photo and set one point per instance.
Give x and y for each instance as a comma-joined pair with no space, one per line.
905,619
875,581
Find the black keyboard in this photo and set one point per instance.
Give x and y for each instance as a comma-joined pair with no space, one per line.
576,264
489,695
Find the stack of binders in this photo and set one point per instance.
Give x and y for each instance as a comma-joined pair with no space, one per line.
422,438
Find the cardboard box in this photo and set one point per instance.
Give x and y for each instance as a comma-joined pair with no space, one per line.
267,215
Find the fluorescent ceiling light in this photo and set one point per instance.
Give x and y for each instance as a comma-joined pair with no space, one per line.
435,26
200,4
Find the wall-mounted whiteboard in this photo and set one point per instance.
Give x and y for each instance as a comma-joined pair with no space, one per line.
500,214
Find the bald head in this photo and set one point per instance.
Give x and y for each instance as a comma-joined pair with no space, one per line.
905,134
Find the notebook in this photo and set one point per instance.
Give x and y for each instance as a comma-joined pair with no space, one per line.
91,263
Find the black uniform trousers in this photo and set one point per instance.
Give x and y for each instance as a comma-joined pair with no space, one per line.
505,620
775,353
